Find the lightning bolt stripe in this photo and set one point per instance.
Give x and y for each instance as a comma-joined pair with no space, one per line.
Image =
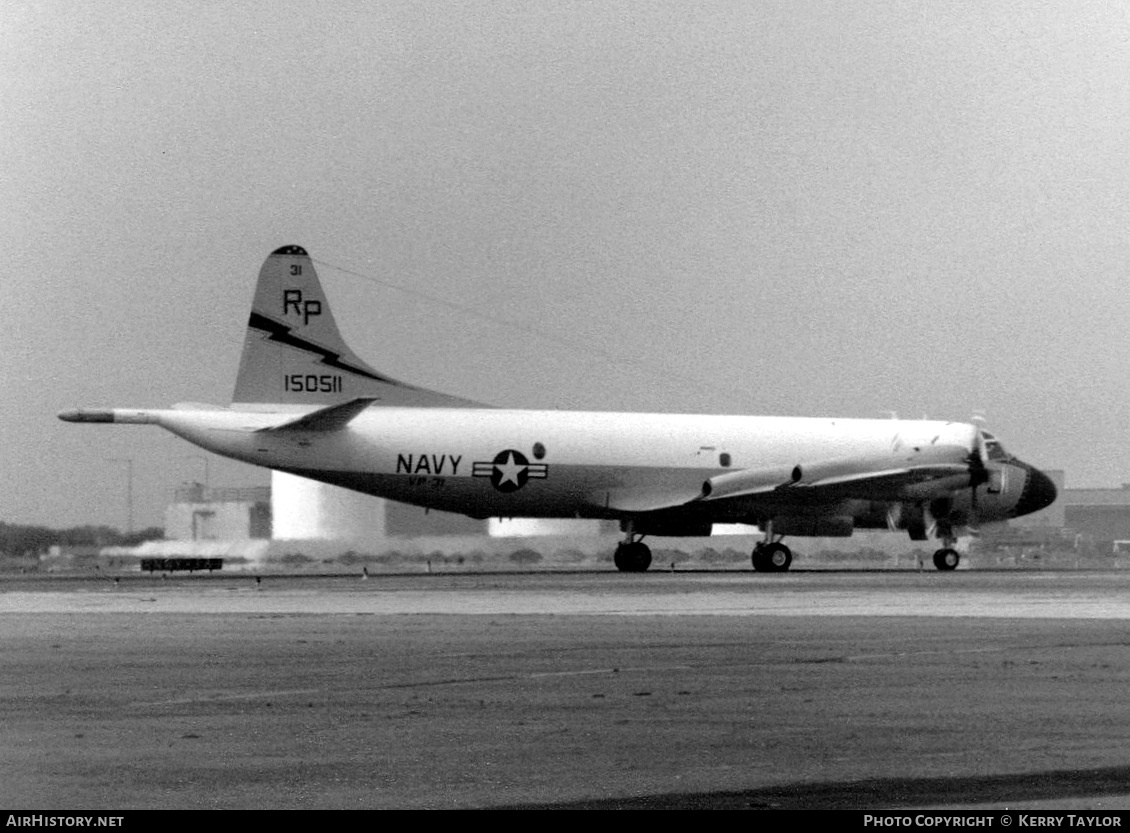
283,334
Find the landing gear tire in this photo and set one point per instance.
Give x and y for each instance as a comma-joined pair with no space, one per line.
632,558
771,558
947,558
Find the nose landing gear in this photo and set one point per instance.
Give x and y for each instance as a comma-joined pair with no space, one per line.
947,558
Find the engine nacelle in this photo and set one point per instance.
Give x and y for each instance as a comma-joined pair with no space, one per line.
669,528
814,526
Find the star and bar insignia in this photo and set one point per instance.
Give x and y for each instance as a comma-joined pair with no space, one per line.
510,470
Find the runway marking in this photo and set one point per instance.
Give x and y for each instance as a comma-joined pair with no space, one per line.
936,652
592,671
1009,649
451,681
502,678
218,698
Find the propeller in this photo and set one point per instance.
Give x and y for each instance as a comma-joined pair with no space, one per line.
939,513
978,476
938,517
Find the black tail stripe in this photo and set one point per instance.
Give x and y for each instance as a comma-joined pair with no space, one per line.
283,335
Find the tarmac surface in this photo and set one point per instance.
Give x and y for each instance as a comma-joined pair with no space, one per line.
866,690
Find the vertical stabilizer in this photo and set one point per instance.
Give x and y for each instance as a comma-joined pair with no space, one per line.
293,353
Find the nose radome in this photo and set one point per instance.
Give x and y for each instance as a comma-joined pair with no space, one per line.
1039,492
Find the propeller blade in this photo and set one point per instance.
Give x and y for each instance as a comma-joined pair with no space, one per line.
978,475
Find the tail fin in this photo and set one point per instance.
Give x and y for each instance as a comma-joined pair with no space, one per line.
293,353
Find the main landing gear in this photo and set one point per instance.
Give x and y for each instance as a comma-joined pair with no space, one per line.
632,555
770,555
947,558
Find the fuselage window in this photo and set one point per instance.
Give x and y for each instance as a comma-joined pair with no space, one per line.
724,459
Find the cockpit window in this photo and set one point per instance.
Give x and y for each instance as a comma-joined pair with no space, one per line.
993,448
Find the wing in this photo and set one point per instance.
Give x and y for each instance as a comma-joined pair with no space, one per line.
919,476
860,478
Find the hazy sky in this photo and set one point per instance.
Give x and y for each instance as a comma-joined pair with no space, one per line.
738,207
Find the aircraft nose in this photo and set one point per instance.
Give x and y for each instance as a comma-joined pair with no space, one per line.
1039,492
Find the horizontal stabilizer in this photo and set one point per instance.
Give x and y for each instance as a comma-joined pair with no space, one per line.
333,418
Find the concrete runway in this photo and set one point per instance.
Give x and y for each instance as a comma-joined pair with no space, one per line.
694,690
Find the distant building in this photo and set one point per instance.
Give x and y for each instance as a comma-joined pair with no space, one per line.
1100,515
198,513
305,509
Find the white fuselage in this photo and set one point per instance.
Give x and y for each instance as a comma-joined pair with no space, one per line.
496,462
